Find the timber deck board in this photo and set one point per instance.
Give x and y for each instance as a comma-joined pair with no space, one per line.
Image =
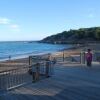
75,82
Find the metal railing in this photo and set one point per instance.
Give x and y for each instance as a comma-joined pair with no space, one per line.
16,77
42,67
68,57
76,57
95,56
13,78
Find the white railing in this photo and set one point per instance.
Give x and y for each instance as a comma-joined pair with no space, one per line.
13,78
16,77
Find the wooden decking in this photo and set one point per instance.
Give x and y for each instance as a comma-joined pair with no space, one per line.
70,82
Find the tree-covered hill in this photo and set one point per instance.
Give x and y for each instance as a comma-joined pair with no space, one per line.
82,35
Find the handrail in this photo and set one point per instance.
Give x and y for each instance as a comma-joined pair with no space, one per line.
15,77
13,69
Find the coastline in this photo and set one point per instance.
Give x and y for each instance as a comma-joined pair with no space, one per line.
21,60
24,61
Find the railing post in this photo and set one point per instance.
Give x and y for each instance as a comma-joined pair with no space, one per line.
37,74
82,57
30,58
47,68
63,56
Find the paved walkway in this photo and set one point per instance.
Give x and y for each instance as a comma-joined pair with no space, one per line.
70,82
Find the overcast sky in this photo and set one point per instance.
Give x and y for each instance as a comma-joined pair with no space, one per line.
36,19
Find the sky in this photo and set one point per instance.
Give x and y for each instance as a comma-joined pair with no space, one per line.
36,19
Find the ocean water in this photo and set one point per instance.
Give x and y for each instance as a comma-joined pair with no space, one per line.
22,49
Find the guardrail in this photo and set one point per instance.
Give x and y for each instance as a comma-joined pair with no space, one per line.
68,57
42,67
16,77
12,78
76,57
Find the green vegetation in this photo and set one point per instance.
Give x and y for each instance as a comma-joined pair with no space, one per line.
82,35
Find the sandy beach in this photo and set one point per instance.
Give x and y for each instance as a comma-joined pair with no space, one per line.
24,62
13,64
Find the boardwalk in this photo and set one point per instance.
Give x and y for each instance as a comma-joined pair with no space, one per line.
70,82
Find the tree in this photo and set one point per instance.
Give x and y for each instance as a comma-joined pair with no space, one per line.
97,34
80,33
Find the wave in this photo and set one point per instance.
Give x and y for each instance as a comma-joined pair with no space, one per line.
24,49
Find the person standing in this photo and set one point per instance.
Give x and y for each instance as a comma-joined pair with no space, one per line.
89,58
35,72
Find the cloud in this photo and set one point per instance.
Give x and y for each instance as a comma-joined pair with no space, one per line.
4,21
10,24
91,15
15,27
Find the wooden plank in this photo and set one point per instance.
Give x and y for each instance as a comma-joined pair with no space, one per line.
68,83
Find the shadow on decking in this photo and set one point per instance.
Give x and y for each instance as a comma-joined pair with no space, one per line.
73,82
67,94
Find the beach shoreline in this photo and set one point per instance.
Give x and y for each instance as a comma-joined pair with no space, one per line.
22,62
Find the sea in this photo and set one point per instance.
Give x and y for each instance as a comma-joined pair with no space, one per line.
21,49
